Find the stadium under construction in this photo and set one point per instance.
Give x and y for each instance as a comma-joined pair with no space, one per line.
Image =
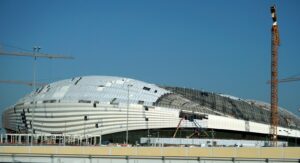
123,110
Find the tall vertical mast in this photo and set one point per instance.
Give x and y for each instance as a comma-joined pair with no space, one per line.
274,77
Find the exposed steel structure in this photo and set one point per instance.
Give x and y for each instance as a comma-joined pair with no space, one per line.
274,77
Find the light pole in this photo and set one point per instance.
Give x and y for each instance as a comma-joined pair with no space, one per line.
127,110
36,49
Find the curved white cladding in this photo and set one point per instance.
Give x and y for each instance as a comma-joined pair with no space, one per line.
104,89
69,118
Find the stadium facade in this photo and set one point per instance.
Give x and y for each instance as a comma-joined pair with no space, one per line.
109,106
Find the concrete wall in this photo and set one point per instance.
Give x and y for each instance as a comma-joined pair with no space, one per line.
146,154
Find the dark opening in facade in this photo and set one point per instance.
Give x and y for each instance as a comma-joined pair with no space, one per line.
146,88
146,108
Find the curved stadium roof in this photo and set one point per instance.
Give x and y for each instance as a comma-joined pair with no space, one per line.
104,89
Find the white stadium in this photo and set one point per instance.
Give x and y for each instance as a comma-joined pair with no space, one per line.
110,106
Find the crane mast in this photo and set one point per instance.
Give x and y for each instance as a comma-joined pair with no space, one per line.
274,77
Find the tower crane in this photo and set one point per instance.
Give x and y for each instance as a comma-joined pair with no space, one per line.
36,54
275,41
